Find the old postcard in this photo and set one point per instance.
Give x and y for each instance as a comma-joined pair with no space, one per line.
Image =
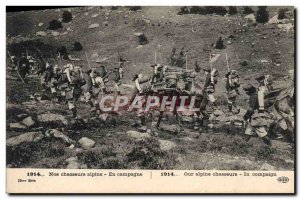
150,99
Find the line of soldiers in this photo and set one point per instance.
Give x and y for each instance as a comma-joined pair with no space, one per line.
66,85
69,83
256,119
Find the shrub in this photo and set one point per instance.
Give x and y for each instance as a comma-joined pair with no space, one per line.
77,46
281,13
135,8
262,15
54,25
232,10
219,10
66,16
248,10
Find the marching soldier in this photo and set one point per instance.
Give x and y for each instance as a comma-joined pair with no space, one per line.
265,83
73,92
118,77
232,87
142,84
208,93
255,117
23,66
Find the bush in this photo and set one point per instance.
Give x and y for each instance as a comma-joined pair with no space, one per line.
281,13
248,10
232,10
66,16
219,10
262,15
77,46
54,25
135,8
220,43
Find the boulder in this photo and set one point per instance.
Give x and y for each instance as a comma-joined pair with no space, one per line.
94,25
166,145
95,15
142,39
51,117
17,126
73,163
138,135
250,17
28,121
41,34
267,167
40,24
26,137
170,128
218,113
86,143
55,33
286,27
58,134
142,129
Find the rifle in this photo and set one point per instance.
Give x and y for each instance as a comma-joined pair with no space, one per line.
87,60
227,63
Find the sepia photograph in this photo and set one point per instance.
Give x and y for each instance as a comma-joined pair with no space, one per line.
161,88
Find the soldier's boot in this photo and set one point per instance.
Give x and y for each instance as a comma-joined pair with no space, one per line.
143,120
230,108
74,112
267,140
247,138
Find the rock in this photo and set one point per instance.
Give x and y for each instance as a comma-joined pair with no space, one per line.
17,126
40,24
105,23
218,113
58,134
94,15
73,163
142,39
22,116
26,137
187,119
41,34
267,167
286,27
86,143
250,17
51,117
166,145
222,118
172,128
95,25
28,121
69,29
264,61
95,55
142,129
274,20
138,135
55,33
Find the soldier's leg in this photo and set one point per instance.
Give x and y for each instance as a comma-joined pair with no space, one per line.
249,132
263,134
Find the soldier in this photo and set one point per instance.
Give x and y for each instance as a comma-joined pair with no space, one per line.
232,87
142,84
118,77
208,92
75,82
265,83
159,72
255,118
23,66
88,89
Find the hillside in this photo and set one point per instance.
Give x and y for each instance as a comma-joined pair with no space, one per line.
252,48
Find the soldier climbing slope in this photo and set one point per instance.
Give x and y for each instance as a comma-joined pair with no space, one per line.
75,82
23,66
232,87
142,84
255,118
119,72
